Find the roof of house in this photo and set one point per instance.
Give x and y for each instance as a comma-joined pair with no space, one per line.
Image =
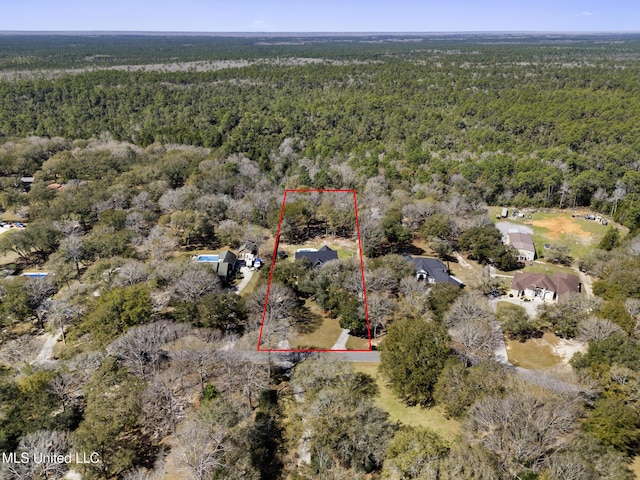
434,269
248,247
223,269
521,241
319,257
227,256
560,283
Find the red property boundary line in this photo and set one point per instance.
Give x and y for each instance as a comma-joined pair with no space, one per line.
273,262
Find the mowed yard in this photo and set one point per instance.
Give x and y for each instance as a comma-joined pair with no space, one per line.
345,248
432,418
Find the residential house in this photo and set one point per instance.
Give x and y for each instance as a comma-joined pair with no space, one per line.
248,252
546,287
224,264
432,270
524,244
317,257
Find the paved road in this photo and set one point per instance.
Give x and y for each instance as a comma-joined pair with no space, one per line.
367,357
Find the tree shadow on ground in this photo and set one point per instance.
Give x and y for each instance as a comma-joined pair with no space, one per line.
306,321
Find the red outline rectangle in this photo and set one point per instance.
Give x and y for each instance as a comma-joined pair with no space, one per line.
273,262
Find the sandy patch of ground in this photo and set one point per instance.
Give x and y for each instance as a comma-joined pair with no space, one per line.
568,348
561,226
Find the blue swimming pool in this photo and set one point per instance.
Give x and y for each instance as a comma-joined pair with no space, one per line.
208,258
35,274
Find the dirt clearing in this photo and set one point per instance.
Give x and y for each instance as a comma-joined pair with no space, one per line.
557,227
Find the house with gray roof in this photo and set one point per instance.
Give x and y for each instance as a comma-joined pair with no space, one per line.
432,270
317,257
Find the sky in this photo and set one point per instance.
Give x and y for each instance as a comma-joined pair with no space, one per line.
321,15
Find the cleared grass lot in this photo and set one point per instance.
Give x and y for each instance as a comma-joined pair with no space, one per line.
323,331
564,227
535,353
432,418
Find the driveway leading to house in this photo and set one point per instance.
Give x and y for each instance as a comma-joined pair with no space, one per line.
530,307
506,227
45,357
247,273
341,343
587,282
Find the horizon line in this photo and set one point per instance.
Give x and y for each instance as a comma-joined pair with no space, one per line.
319,33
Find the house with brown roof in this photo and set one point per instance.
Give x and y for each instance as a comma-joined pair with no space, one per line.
546,287
524,244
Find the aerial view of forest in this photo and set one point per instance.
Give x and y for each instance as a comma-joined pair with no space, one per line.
484,296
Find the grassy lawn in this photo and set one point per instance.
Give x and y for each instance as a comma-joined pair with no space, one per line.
345,248
547,268
635,466
357,343
323,336
535,353
9,257
253,283
415,416
204,251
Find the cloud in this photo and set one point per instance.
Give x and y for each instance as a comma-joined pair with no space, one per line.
587,14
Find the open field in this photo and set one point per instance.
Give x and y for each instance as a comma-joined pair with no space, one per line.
560,227
547,352
415,416
534,354
548,268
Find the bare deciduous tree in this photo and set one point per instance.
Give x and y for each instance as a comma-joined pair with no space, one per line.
19,350
380,312
66,387
471,326
141,348
160,244
43,442
39,290
569,466
137,223
194,283
72,248
596,329
162,405
524,428
132,273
